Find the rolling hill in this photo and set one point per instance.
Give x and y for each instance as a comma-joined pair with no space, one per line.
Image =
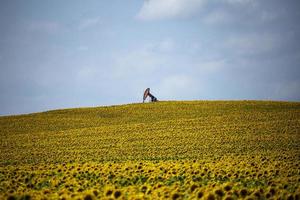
163,150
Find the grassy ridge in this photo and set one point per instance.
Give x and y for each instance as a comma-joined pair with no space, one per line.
163,150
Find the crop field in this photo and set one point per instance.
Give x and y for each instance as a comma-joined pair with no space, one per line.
166,150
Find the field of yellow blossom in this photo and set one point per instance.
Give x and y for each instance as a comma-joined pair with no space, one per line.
165,150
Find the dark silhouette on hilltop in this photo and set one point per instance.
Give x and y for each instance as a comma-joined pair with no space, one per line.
147,93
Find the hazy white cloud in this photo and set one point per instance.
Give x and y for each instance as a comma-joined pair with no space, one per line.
241,2
287,90
86,74
83,48
211,66
170,9
144,59
178,86
234,12
236,1
88,23
167,9
50,27
140,61
267,16
219,16
166,45
253,43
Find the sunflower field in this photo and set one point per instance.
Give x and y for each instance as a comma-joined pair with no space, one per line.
164,150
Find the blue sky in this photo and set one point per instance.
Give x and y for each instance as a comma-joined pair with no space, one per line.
62,54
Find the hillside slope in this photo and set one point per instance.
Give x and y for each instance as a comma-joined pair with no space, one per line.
164,150
163,130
